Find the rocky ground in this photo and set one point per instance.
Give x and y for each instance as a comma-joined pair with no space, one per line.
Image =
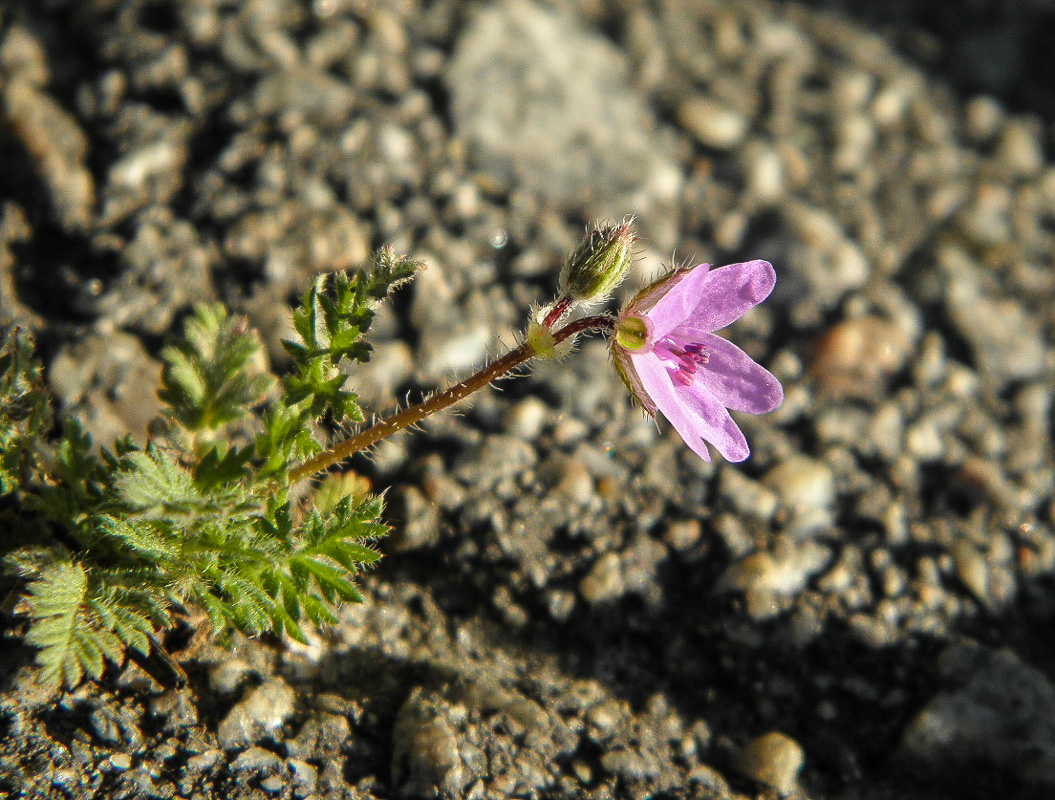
572,604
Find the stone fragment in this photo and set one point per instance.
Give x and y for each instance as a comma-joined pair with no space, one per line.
802,484
57,148
773,759
258,716
855,358
425,758
712,123
548,107
993,719
769,579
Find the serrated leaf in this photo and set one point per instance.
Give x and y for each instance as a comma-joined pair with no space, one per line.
348,554
221,465
155,478
317,612
55,603
218,612
25,410
333,315
213,375
199,521
144,537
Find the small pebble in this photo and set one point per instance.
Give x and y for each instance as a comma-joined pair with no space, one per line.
273,784
560,604
425,750
415,520
683,535
204,761
627,764
228,676
259,715
604,581
765,174
748,496
972,570
983,117
257,760
856,357
772,759
712,123
305,777
767,577
1020,150
802,484
526,418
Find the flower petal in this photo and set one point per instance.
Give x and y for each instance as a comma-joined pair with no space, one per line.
678,300
717,298
714,424
731,376
696,415
657,382
644,300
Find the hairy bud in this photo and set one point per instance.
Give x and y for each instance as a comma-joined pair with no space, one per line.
598,264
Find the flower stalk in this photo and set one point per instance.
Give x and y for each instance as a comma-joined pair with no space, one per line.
437,402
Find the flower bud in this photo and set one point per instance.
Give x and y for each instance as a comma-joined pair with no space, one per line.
598,264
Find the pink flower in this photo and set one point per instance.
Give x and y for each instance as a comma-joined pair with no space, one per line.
671,360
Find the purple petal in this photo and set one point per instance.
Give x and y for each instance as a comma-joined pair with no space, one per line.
657,382
696,416
679,300
650,295
731,376
714,299
714,424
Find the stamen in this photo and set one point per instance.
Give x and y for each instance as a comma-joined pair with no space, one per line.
684,358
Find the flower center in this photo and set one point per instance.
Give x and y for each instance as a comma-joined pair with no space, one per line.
632,333
685,358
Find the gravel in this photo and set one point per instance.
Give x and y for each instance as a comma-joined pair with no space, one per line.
773,760
574,605
257,716
967,723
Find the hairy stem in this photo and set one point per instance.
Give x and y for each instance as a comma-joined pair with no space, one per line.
556,314
440,401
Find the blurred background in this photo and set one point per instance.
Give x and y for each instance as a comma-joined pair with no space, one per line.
572,604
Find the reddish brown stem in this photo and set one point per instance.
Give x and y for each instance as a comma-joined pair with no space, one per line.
556,314
438,402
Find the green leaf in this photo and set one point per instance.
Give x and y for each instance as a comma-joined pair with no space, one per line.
330,322
25,410
57,625
154,478
54,601
79,481
221,465
132,627
198,516
214,375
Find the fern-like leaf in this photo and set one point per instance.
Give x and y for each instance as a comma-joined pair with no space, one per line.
70,648
153,479
110,543
323,566
213,376
221,465
335,313
25,412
